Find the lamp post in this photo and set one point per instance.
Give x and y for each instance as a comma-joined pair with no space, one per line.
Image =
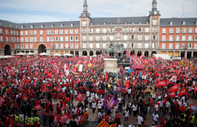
185,48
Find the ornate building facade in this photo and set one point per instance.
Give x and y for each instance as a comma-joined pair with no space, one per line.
90,36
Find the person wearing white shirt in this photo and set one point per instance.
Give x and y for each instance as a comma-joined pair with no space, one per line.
155,118
129,93
100,104
93,106
139,120
126,115
134,107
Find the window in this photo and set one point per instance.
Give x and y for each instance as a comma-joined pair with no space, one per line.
41,32
190,46
111,30
35,32
154,37
90,38
163,37
17,39
146,30
61,38
177,38
66,31
177,30
76,38
125,45
147,37
26,46
41,39
52,38
177,45
48,39
184,30
171,30
163,45
71,38
1,38
56,31
153,45
163,30
104,45
97,30
31,39
154,21
195,29
62,25
146,45
132,29
170,45
56,38
97,45
84,45
91,45
76,31
140,29
83,30
21,33
22,39
7,39
91,30
132,37
26,32
125,37
30,32
190,38
76,45
104,30
61,45
183,23
56,46
71,31
111,38
66,38
190,30
1,31
6,31
22,46
195,46
155,29
26,39
66,45
97,38
84,38
195,37
61,31
35,39
83,23
104,38
171,38
139,37
139,45
51,32
184,38
183,45
125,30
47,32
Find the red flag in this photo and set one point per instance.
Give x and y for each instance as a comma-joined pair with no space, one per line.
1,101
80,97
64,118
195,89
161,83
174,88
154,58
182,92
37,107
83,117
74,69
172,94
56,119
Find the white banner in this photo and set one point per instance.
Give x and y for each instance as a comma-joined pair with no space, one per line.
80,68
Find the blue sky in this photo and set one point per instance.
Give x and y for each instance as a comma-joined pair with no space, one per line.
20,11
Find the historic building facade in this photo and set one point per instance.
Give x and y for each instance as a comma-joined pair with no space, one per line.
90,36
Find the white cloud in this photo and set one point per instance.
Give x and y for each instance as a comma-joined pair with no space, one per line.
66,9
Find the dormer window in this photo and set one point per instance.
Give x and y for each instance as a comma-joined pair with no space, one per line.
171,23
52,25
62,25
97,23
140,22
22,27
71,24
32,26
16,26
42,26
183,23
146,22
196,23
10,25
125,23
104,23
132,22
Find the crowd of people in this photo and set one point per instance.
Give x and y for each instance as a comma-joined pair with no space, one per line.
66,91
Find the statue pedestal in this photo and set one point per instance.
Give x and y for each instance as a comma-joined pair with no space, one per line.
110,65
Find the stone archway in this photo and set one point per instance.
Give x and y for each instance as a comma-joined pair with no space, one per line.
41,48
91,53
132,52
97,52
84,53
146,54
7,50
139,53
153,52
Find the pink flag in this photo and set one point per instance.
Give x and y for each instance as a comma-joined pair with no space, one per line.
111,103
174,88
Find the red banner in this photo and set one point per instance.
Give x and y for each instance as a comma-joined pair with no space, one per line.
174,88
80,97
37,107
172,94
161,83
64,118
182,92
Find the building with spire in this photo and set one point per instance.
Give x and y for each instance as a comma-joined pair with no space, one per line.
144,35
